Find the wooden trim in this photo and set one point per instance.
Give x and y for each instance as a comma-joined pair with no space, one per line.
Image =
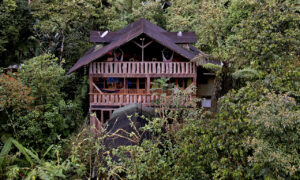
142,68
142,46
142,75
102,117
95,86
125,99
148,84
137,83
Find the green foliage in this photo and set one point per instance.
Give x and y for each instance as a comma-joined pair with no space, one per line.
276,138
61,32
254,135
212,67
161,85
132,10
182,15
42,80
246,74
34,166
16,33
45,77
269,35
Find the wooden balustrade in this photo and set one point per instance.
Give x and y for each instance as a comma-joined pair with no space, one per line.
122,99
136,68
125,99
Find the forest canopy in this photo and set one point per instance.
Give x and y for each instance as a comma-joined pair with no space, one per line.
252,131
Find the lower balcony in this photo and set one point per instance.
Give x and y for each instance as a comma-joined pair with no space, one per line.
108,99
118,100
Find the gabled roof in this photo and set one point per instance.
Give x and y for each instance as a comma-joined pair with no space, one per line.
186,38
127,34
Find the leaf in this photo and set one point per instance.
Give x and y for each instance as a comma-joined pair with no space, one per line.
22,149
5,150
47,151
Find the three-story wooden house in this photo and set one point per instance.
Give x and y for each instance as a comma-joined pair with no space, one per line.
123,64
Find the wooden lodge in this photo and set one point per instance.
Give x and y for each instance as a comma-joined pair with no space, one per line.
123,64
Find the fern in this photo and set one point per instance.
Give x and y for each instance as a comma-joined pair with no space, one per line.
246,74
212,67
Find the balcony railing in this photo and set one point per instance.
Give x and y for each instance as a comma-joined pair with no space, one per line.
122,99
125,99
141,68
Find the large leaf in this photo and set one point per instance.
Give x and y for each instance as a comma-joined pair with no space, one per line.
5,150
23,150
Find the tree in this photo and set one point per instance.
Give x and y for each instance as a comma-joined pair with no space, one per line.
56,26
36,105
182,15
15,99
270,34
276,137
16,32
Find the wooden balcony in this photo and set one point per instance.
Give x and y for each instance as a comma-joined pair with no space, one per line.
121,99
108,99
140,69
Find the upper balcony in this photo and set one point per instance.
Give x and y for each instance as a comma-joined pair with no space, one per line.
140,69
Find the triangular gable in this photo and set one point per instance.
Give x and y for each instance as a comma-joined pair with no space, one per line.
129,33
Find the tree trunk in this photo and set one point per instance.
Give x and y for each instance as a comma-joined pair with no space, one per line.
223,84
62,46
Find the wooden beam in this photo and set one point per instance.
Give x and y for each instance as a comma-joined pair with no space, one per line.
91,85
148,84
137,44
144,75
126,83
102,117
142,46
143,49
95,86
147,44
195,74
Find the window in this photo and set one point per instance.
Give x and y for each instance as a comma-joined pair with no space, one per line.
132,83
142,83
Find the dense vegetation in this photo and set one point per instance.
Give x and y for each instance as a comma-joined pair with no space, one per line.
253,131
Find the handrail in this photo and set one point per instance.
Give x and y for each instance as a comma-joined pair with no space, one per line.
124,99
142,68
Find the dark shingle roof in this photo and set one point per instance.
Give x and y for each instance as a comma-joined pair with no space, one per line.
127,34
186,38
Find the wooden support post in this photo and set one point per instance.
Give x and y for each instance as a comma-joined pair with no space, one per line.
102,117
143,53
91,86
195,81
148,85
126,85
195,74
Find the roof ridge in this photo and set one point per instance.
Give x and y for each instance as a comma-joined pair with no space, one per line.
130,32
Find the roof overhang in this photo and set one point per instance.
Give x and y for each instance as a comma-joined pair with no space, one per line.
142,26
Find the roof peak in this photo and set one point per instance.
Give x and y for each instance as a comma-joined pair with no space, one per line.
133,30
